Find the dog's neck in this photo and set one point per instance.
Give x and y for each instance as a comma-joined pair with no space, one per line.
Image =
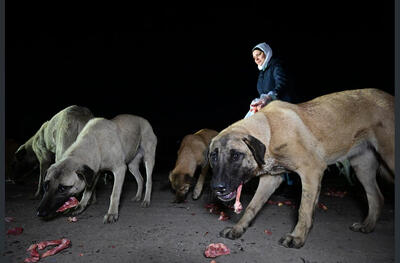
79,151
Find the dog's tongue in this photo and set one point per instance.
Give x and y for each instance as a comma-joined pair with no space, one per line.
238,206
72,202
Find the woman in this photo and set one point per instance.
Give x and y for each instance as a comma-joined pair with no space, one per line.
272,81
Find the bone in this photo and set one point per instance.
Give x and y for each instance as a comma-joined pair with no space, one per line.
238,206
35,256
64,244
72,202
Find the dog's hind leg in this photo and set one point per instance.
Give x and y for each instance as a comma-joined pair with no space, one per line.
119,176
149,158
200,182
365,165
133,167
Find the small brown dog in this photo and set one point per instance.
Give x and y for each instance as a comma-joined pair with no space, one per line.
191,155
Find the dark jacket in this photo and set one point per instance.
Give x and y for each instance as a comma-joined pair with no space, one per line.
274,78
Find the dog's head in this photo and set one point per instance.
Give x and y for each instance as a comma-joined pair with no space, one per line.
234,159
24,162
181,183
63,180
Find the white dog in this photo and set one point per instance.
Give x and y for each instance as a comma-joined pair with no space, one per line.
103,145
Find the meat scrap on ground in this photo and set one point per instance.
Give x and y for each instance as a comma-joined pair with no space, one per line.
15,231
223,216
35,256
72,219
216,249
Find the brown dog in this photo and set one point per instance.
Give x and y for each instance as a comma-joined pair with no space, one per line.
191,155
357,125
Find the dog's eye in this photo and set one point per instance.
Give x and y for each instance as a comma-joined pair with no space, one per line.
213,157
235,156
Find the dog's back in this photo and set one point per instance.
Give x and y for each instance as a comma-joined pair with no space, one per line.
64,127
367,114
134,131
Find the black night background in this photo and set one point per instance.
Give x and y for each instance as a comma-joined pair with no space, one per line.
183,68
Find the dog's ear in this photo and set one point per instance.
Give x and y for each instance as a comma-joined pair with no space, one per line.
86,174
20,153
257,148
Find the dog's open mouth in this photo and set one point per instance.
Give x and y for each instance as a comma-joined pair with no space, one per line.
227,197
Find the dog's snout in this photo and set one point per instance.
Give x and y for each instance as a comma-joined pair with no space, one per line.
220,189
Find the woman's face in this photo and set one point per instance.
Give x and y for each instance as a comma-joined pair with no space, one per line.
259,57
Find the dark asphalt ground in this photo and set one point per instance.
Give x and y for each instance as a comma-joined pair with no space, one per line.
170,232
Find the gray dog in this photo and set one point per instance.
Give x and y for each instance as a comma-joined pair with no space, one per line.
103,145
357,125
50,142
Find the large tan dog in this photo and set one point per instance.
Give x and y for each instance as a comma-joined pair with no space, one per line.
357,125
192,154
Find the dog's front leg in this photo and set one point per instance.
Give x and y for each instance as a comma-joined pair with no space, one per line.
267,185
44,165
119,176
200,182
87,194
311,184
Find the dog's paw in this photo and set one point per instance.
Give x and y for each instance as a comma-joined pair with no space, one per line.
136,198
145,203
290,241
110,218
231,232
78,210
196,194
363,228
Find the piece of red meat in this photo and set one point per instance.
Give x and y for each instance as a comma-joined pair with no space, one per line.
63,245
223,216
44,244
34,254
72,202
33,249
216,249
213,208
72,219
9,219
15,231
31,259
